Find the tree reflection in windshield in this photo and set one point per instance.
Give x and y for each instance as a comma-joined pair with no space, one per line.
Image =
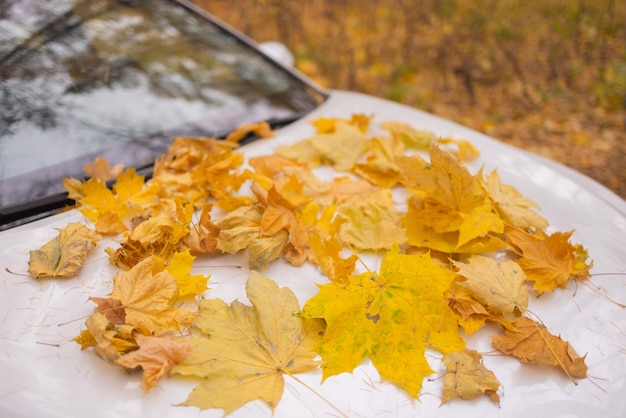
119,78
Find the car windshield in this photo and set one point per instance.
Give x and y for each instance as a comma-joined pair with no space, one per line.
119,79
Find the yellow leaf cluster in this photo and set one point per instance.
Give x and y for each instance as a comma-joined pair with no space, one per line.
132,326
405,193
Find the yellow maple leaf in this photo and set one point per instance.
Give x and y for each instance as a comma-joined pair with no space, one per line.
245,350
465,150
549,262
405,134
371,223
378,166
101,169
328,255
63,255
341,189
421,235
179,267
499,286
451,199
390,317
329,125
240,229
304,152
147,298
340,148
126,201
467,378
514,208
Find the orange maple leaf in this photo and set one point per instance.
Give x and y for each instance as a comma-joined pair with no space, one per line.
156,356
101,169
531,342
328,255
147,297
261,129
549,262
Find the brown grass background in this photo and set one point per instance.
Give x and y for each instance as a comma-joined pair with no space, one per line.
548,76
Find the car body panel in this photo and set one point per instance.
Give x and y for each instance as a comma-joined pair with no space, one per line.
50,376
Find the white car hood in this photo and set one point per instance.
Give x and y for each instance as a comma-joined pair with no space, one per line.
45,374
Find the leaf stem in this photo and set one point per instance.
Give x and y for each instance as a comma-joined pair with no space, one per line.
319,395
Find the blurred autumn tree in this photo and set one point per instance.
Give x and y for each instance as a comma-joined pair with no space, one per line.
548,76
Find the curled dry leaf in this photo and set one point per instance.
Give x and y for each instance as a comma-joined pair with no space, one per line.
109,341
63,255
531,342
467,377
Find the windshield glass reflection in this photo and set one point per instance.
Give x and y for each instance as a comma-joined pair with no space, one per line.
119,79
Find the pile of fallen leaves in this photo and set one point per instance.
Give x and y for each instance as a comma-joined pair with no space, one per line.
438,226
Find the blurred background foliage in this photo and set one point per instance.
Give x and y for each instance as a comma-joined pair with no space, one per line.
548,76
